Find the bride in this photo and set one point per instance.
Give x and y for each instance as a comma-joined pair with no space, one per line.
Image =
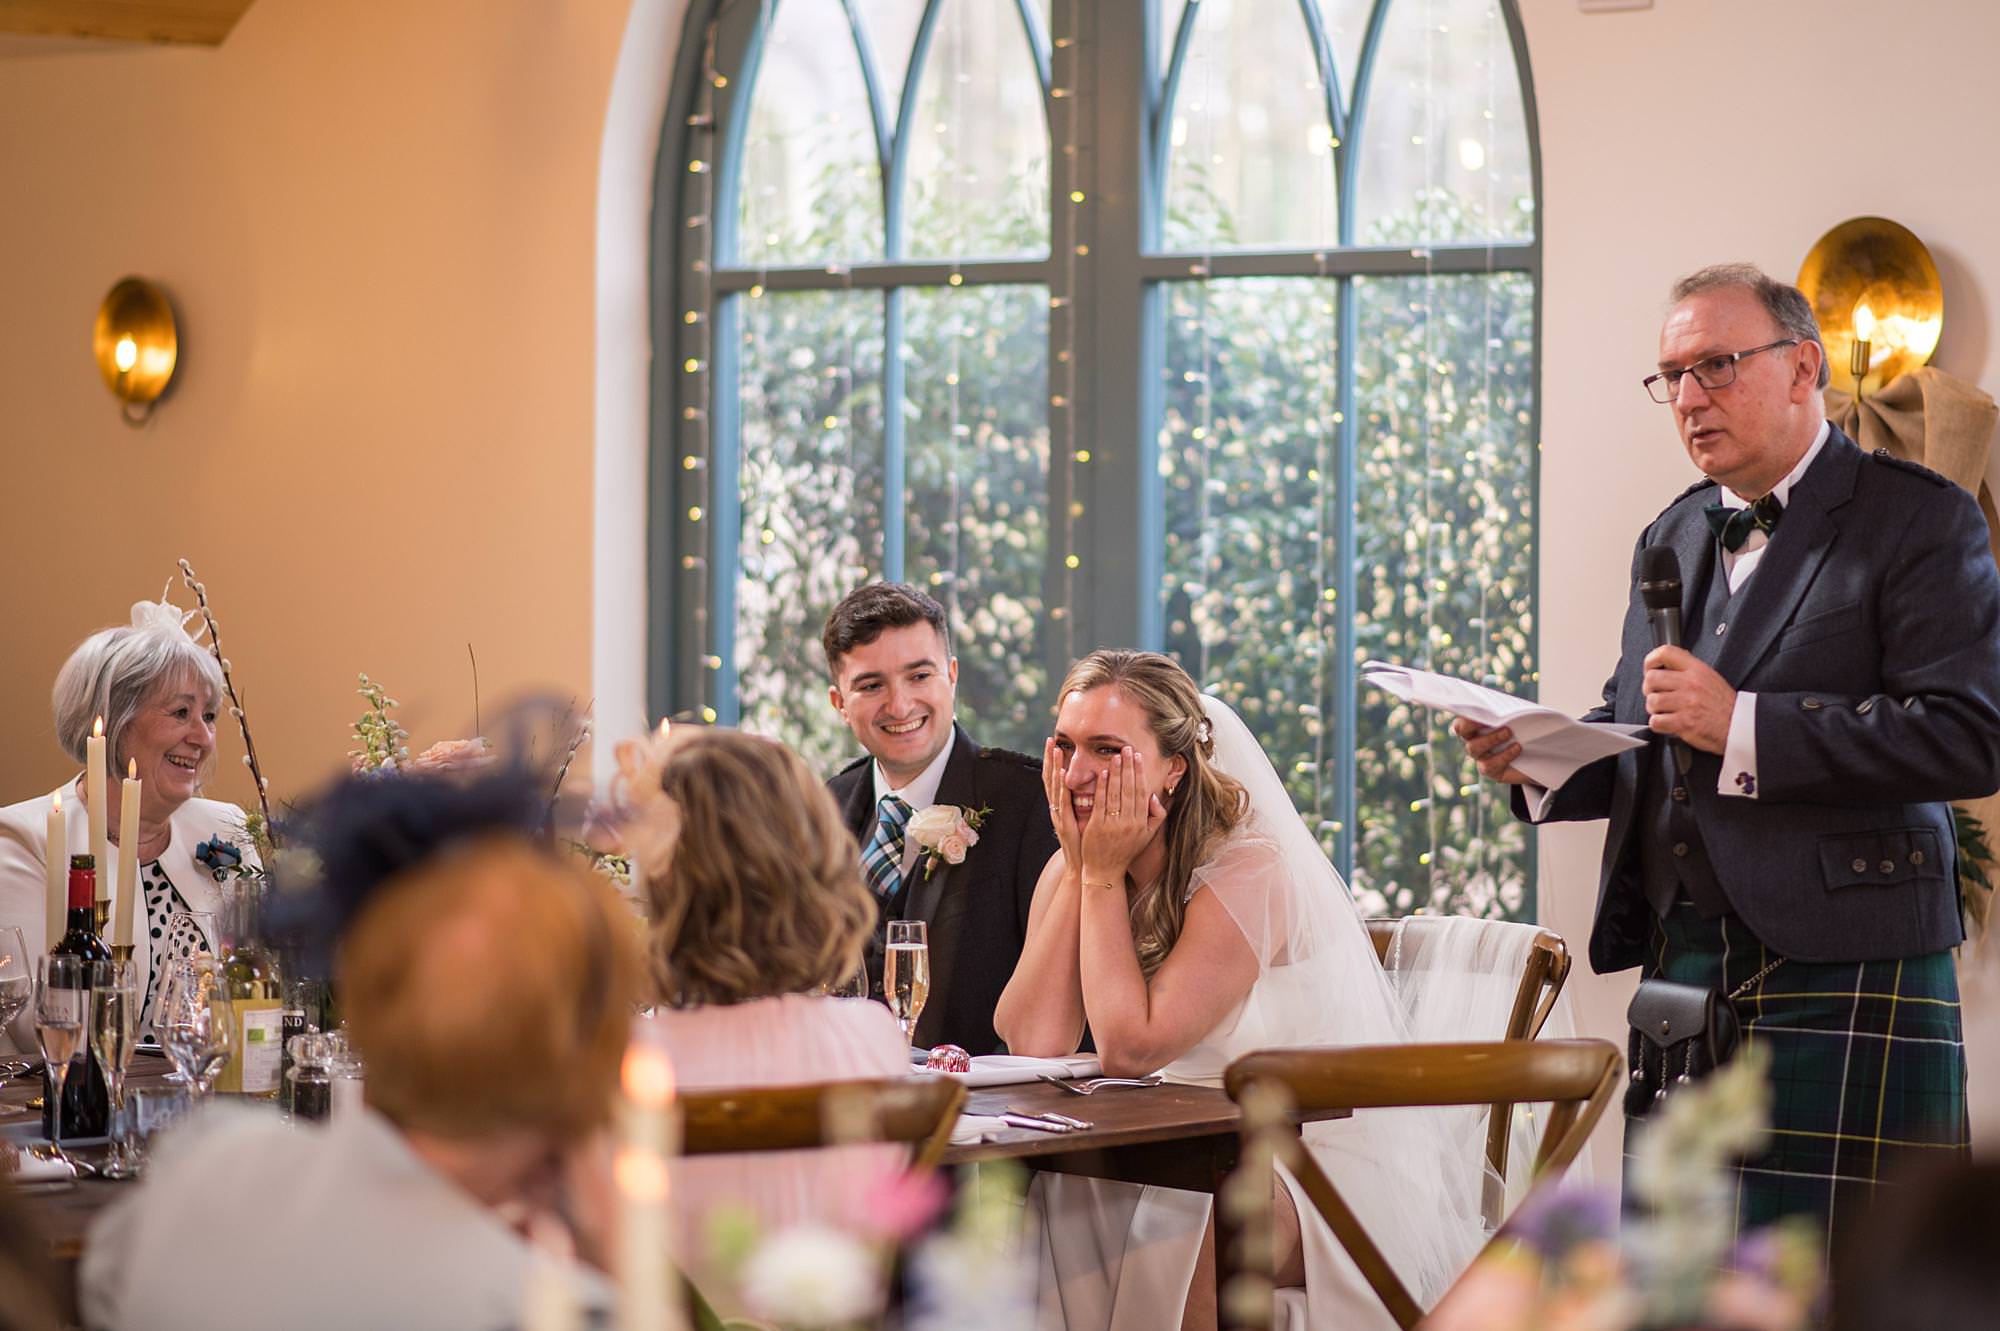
1188,918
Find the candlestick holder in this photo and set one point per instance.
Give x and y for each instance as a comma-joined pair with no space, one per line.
121,952
1857,365
100,915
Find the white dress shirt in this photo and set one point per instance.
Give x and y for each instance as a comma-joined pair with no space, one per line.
1738,777
919,794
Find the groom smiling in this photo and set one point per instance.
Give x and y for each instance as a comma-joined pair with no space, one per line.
894,683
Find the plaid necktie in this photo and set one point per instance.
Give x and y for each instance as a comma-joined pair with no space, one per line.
882,861
1732,526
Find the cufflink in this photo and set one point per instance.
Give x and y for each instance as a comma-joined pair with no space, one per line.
1746,783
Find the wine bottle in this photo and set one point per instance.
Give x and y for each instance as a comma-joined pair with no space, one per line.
250,971
86,1098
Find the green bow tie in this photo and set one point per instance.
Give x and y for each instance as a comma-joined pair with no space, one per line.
1732,526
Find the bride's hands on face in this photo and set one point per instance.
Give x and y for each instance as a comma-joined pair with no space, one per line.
1127,816
1055,783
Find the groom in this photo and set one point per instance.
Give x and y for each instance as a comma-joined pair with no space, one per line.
888,650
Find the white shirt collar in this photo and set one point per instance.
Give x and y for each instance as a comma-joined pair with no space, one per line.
1783,489
922,792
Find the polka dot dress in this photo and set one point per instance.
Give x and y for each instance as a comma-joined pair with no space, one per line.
174,933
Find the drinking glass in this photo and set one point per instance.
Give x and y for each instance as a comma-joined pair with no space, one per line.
17,987
197,928
62,1009
197,1021
114,1026
906,972
154,1110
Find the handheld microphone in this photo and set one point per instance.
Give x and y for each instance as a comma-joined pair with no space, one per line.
1660,589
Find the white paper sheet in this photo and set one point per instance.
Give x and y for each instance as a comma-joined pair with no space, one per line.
1012,1069
1553,746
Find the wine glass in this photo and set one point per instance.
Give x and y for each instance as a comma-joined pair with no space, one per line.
114,1025
196,928
197,1021
62,1004
906,972
17,987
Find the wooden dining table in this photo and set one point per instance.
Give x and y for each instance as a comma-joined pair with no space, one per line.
1169,1136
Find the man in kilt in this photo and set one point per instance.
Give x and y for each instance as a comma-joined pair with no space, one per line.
1785,839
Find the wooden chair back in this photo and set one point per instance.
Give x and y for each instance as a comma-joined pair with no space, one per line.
1542,977
917,1110
1578,1077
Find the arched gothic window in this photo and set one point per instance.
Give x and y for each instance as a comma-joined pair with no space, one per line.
1201,325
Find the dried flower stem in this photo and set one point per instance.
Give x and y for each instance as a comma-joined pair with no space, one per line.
235,701
576,741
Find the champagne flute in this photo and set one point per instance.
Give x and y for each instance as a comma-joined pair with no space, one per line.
17,988
197,1021
62,1004
906,972
114,1025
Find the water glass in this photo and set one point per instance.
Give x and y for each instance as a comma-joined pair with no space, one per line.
197,1021
17,989
196,928
906,972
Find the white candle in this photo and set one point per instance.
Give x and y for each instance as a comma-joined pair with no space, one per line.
57,856
649,1291
96,799
128,854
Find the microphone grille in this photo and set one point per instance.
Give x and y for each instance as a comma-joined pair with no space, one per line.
1660,577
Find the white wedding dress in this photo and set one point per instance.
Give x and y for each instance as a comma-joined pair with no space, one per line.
1119,1257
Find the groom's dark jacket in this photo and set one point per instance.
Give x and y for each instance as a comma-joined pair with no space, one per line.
1870,633
978,910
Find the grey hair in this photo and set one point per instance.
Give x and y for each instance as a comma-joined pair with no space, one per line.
1787,305
116,671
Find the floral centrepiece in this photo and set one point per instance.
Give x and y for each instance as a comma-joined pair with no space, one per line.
946,832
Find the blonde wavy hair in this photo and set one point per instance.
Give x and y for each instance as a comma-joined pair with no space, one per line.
1205,808
752,881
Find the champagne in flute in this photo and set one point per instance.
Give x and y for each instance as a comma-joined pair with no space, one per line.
906,972
17,981
62,1001
114,1026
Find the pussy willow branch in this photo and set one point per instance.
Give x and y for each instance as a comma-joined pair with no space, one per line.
235,702
577,737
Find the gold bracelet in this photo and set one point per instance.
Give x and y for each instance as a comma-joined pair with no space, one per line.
1106,884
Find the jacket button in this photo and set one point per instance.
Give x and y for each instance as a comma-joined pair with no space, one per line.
1810,704
1681,793
1721,629
1859,866
1864,707
1681,849
1916,857
1887,866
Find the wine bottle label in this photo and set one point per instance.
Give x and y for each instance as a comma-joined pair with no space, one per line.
253,1069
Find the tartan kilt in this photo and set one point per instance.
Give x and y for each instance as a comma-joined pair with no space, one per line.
1867,1064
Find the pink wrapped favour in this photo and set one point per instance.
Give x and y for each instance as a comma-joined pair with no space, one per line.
948,1058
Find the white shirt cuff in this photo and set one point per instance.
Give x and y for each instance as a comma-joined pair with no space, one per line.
1539,798
1739,751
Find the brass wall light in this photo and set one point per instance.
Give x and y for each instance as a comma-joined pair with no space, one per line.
136,346
1878,299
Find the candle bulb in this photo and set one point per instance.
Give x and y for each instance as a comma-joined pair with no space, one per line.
96,800
128,855
649,1295
1863,354
57,856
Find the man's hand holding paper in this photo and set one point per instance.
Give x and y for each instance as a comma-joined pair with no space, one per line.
1518,741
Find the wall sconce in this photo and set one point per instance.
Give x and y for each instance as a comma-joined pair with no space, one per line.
1878,299
136,346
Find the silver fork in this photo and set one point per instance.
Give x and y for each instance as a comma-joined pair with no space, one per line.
1074,1124
1096,1084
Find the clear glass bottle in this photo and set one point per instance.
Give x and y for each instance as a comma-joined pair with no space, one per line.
251,971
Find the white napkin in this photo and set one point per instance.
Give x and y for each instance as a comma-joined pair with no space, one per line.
973,1128
23,1167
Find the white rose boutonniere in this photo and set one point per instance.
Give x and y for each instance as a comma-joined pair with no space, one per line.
946,832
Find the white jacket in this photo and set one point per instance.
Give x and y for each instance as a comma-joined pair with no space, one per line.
24,833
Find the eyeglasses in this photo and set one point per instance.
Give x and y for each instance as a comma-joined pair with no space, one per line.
1713,373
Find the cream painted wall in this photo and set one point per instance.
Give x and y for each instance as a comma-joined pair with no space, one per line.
377,221
1631,202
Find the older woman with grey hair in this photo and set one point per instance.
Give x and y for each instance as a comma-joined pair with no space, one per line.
158,691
